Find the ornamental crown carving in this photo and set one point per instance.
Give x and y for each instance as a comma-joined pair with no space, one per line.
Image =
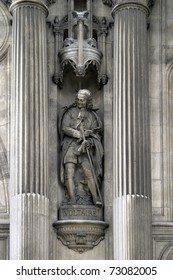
80,45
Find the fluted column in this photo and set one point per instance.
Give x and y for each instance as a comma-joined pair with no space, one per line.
131,162
29,132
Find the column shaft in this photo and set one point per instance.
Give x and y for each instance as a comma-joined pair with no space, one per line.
29,132
132,204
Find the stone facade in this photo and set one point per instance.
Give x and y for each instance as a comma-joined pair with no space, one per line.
131,82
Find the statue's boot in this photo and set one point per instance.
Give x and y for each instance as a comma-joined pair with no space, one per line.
70,189
92,188
69,182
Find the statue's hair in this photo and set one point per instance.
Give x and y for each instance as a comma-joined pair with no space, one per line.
87,94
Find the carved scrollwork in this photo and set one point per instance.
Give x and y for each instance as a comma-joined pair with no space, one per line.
4,35
150,3
108,2
79,235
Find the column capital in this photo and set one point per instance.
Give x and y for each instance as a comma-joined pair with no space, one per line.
46,2
35,3
126,4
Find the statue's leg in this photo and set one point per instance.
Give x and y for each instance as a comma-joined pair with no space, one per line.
91,182
69,180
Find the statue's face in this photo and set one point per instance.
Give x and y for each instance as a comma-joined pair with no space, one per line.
81,101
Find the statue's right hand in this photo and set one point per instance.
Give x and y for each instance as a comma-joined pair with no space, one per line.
77,134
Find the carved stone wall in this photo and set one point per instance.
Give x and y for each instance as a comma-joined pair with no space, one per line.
102,101
5,70
161,102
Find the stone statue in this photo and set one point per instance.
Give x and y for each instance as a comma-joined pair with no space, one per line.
81,130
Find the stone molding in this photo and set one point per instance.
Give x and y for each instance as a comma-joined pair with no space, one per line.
4,240
163,232
47,2
161,229
4,230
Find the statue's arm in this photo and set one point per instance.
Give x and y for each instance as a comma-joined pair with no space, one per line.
67,129
95,128
71,132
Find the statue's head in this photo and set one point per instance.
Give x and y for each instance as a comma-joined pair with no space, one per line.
83,99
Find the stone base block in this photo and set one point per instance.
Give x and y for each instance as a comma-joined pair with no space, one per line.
80,212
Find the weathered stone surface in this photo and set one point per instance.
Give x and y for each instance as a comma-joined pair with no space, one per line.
131,146
160,47
80,212
29,127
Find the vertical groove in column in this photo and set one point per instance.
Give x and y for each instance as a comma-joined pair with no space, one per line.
132,203
131,129
31,210
29,143
131,236
31,102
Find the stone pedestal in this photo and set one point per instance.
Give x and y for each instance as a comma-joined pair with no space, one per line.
131,161
29,136
80,227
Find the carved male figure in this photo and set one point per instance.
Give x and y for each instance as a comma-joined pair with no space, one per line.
81,145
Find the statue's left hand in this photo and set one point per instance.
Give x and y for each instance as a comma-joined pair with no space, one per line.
87,144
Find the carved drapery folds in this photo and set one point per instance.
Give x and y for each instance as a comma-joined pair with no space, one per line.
80,42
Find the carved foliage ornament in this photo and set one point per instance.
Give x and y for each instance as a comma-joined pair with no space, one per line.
151,3
108,2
